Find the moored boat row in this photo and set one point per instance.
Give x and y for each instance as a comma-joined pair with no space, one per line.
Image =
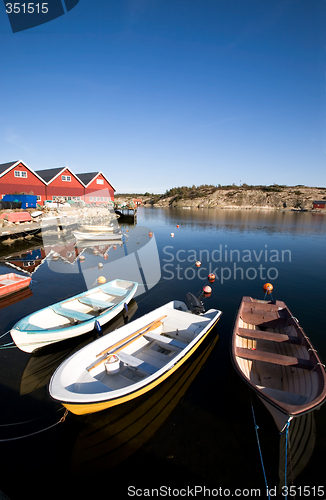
269,349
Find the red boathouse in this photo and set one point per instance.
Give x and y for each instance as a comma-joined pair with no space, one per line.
62,184
17,177
97,188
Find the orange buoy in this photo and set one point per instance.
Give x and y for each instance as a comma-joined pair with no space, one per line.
81,257
101,279
268,288
211,277
207,291
105,256
150,234
177,225
198,263
114,247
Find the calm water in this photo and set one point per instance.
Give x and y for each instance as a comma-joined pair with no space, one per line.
197,429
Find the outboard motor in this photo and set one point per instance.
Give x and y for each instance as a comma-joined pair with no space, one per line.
194,305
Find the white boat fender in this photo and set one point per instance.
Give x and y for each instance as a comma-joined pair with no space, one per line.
112,365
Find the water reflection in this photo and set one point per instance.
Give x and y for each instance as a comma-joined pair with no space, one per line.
240,220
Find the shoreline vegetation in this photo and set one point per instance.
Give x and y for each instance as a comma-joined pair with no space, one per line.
273,197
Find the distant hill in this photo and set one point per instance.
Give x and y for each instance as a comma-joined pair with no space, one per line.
247,197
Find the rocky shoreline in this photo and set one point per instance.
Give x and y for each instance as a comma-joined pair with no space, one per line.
240,197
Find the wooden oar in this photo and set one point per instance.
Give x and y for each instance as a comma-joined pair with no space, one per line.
152,326
117,344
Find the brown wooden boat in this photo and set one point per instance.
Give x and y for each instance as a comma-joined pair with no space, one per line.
273,355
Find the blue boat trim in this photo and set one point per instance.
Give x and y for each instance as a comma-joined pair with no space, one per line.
101,304
70,314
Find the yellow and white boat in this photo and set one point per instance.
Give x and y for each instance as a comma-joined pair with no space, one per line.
132,360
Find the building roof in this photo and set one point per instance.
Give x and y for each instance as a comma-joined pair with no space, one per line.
321,201
88,177
49,174
6,166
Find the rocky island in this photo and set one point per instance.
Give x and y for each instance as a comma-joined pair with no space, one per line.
274,197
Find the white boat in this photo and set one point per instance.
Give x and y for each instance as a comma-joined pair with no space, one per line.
72,317
97,236
132,360
97,229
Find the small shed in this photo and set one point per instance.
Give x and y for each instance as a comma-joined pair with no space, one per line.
319,204
27,200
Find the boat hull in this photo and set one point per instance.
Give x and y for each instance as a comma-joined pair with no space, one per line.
107,399
29,337
97,229
106,236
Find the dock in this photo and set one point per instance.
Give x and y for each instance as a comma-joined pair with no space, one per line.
127,214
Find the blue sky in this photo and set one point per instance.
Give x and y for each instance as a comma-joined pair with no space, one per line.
158,94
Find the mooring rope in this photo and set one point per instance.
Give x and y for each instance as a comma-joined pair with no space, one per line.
9,345
286,452
259,448
62,419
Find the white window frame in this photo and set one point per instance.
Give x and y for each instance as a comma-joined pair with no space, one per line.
99,181
66,178
20,173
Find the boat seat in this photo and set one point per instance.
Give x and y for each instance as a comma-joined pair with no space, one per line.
115,291
262,335
8,281
165,340
95,303
271,357
70,314
261,306
137,363
283,396
266,319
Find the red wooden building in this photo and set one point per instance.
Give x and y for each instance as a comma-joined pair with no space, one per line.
319,204
97,188
62,183
17,177
55,184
